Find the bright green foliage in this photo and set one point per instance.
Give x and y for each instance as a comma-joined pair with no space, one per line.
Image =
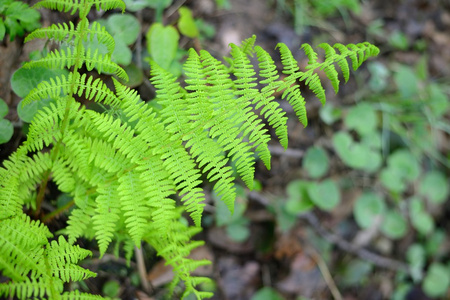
26,249
125,167
17,17
6,128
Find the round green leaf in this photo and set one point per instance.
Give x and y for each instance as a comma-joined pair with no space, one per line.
124,27
325,195
111,288
316,162
434,186
420,219
298,198
392,180
26,113
437,280
416,258
186,24
367,208
423,223
405,163
135,75
122,54
330,114
238,232
362,118
162,44
266,293
24,80
394,225
6,131
3,108
355,272
356,155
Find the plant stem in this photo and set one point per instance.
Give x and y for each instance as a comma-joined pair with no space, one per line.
48,217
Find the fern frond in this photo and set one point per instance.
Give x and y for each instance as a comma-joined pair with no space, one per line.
205,90
99,31
83,6
22,242
245,89
106,216
72,84
37,288
291,89
171,160
76,295
103,63
270,109
62,258
59,32
133,202
80,219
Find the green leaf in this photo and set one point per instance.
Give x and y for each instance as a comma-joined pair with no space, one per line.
2,29
316,162
399,40
355,272
26,113
402,167
437,280
135,75
6,131
124,28
24,80
330,114
394,225
392,180
299,200
367,208
415,255
406,81
356,155
122,54
186,24
162,44
435,241
362,118
266,293
111,288
420,219
438,100
325,195
434,186
3,108
239,231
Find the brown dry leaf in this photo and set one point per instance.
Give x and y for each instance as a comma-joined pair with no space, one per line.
304,278
162,274
143,296
237,281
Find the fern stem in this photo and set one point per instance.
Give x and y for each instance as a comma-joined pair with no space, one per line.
48,217
41,193
142,270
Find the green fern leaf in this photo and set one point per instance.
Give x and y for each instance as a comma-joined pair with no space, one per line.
270,109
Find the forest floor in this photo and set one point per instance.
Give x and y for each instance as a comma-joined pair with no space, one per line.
306,255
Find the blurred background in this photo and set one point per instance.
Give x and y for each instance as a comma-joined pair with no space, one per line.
357,207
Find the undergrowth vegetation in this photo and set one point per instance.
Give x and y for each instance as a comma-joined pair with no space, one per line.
130,171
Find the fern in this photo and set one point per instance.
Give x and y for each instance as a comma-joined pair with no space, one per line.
126,167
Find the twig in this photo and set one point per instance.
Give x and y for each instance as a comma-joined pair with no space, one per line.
141,270
325,273
277,150
339,241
